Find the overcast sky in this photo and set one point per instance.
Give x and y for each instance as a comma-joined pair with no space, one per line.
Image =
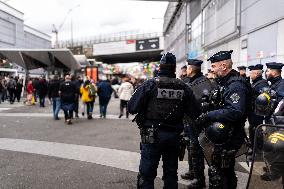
91,17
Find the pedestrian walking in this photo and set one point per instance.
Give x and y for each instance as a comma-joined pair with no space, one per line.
68,94
53,94
5,90
88,92
30,92
19,89
125,92
77,82
42,90
1,90
104,92
11,86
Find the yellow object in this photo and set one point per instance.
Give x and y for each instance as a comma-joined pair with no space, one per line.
33,100
267,96
221,126
85,94
275,137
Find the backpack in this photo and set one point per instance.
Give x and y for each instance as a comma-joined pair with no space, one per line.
11,84
92,91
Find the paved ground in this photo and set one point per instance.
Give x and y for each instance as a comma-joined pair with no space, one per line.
38,152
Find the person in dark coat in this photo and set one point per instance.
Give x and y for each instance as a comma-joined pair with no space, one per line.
19,89
42,91
53,94
104,92
258,85
77,82
68,94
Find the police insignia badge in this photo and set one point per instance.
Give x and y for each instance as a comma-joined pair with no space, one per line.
235,98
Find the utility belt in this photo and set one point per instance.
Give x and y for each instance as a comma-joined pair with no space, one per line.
150,130
148,135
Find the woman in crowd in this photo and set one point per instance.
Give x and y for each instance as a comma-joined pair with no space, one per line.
125,92
30,91
88,91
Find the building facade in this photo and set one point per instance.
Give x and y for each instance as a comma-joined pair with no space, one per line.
254,29
15,34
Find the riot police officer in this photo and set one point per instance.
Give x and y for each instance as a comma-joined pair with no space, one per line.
258,85
273,75
183,72
232,112
242,72
161,104
200,86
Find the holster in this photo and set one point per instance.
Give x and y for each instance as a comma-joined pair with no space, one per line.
148,135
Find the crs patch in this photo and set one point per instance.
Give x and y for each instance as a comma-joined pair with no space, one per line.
235,98
170,93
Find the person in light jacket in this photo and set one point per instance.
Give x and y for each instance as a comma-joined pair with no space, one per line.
125,92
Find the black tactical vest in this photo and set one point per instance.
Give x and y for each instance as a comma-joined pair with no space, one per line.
201,86
165,101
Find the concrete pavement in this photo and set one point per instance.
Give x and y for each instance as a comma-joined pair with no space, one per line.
38,152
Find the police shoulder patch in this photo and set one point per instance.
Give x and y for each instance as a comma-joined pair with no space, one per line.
235,98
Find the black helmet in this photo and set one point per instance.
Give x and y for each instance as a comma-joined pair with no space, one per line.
263,104
218,133
167,65
168,58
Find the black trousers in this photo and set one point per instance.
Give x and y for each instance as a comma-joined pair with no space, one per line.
90,107
123,104
11,95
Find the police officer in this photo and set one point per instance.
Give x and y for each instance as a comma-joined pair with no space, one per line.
242,72
234,92
199,84
273,75
163,102
183,72
258,85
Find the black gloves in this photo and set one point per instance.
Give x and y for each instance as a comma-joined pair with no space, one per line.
202,120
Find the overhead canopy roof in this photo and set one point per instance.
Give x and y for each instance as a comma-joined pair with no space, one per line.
41,58
82,59
149,56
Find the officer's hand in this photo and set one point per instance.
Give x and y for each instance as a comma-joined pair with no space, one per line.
202,120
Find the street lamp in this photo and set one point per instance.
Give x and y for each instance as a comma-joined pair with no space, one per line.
70,12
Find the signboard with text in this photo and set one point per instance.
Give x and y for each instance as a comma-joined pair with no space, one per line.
147,44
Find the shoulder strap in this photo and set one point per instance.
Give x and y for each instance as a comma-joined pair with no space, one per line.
258,82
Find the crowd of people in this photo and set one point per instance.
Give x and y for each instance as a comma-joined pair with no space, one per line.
11,89
66,93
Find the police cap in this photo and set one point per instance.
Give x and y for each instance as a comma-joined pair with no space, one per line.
220,56
256,67
194,62
242,67
274,65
